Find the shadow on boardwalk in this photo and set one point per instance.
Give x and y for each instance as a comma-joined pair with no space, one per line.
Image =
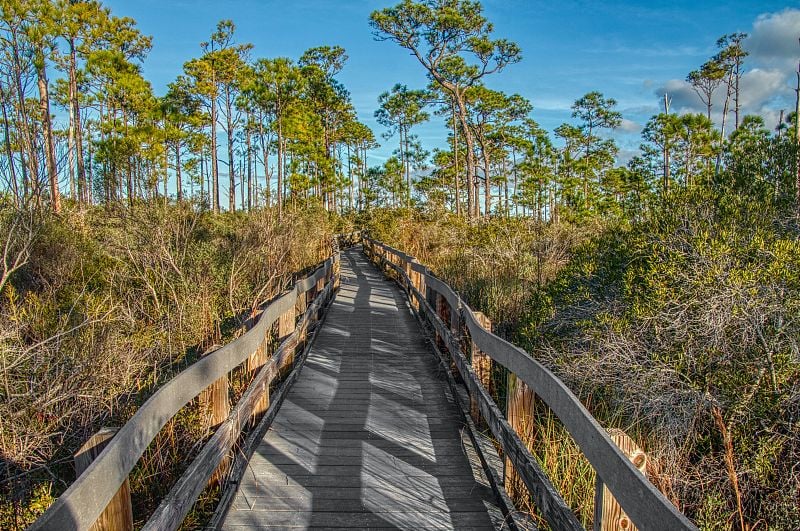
369,436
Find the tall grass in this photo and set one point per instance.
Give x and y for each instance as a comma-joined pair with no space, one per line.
108,304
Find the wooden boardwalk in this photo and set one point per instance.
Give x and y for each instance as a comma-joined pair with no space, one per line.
369,436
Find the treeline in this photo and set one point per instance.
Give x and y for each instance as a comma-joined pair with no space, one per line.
289,127
267,131
500,153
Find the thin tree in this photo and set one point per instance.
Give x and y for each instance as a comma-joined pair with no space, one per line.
444,35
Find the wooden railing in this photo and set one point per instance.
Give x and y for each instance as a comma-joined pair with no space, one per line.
295,312
458,330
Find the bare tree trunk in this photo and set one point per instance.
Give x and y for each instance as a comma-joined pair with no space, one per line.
797,139
178,176
455,160
214,163
724,118
29,160
472,203
505,186
516,197
249,167
12,173
75,125
350,176
487,191
231,166
47,133
280,168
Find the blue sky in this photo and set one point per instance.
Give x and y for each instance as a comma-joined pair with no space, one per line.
631,51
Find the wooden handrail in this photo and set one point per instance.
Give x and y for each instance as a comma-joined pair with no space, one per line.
84,501
646,506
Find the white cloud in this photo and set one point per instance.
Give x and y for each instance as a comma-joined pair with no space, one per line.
774,38
629,126
765,86
760,87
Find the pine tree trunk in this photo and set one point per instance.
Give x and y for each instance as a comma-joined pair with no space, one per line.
280,169
47,132
178,177
231,167
249,168
9,151
214,163
75,125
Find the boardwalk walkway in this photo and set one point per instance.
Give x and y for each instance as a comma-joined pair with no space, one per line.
369,436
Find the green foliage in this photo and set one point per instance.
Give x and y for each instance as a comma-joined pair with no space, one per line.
690,311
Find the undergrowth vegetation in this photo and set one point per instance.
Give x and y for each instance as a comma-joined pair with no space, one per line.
681,328
101,306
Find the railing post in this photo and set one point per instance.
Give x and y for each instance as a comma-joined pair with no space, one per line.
215,402
443,311
337,275
419,285
608,515
482,366
286,325
300,307
451,318
254,363
118,514
407,281
519,413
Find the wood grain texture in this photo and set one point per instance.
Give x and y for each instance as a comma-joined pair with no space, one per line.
519,408
369,435
482,366
118,514
609,515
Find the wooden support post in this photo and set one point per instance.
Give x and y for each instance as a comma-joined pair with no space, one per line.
300,308
451,317
254,363
482,366
216,406
318,291
337,272
118,514
608,515
519,412
286,325
419,283
443,311
407,280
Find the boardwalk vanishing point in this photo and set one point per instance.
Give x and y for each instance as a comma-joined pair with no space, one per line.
369,436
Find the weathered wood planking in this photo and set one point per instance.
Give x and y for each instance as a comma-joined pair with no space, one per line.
642,501
368,436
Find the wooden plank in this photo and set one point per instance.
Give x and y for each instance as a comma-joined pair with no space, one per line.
642,499
368,415
285,328
118,514
254,364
